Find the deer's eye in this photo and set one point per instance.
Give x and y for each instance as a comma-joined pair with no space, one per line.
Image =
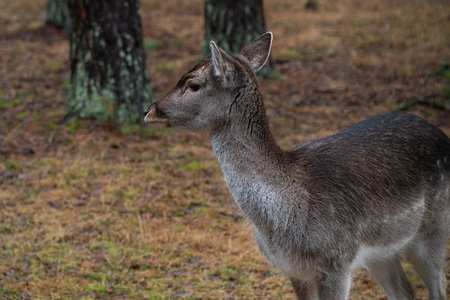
193,86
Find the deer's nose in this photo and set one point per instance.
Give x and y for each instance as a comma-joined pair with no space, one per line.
146,112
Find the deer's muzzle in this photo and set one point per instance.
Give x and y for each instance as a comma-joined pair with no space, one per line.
153,115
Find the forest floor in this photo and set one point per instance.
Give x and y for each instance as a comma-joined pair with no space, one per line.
93,211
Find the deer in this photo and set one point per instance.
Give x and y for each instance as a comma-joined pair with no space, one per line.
367,196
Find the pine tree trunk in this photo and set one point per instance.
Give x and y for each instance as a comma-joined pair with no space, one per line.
58,14
109,80
232,24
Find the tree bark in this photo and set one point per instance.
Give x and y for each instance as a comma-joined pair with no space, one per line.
232,24
109,80
58,14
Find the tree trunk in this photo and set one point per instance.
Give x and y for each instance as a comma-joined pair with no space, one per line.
232,24
109,80
58,14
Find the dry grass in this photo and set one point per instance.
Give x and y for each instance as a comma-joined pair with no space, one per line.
92,212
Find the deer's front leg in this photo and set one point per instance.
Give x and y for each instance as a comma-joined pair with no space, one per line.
334,286
304,290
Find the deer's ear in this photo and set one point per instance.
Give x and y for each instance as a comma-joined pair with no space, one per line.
258,51
221,62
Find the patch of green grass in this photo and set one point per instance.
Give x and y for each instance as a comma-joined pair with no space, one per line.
154,44
132,195
6,105
178,228
179,43
10,294
182,140
54,65
129,129
74,126
149,132
166,67
195,166
288,25
22,115
146,132
27,94
98,287
444,70
446,92
178,213
32,191
8,228
431,112
11,165
228,274
65,85
287,54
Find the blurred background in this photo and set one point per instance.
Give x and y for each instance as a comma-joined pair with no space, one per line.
95,205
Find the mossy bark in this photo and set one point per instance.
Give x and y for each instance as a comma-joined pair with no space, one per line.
109,80
58,14
232,24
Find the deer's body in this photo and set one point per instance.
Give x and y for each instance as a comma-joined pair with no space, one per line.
356,198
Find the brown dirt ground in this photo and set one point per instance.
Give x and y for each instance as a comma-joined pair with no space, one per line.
92,211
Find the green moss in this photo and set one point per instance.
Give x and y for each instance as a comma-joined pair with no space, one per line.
109,80
58,14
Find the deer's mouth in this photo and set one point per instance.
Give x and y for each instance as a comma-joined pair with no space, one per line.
155,116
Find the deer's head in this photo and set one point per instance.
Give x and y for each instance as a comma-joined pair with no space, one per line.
202,98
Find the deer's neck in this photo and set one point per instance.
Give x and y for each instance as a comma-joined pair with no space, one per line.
253,165
246,140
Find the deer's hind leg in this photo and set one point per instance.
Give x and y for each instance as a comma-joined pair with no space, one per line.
427,251
391,276
427,255
428,263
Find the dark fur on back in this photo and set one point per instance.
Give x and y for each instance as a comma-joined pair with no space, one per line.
373,166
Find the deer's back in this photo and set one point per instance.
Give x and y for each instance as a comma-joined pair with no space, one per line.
379,173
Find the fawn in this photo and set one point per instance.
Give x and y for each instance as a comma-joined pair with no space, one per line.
360,197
